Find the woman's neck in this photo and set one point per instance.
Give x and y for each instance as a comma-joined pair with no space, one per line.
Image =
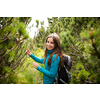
49,51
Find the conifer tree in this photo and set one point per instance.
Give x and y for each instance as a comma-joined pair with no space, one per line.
12,48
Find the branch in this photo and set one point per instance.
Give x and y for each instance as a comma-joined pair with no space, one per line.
7,22
4,40
22,70
16,63
76,48
13,66
11,73
5,36
73,54
73,47
9,51
78,55
2,76
20,63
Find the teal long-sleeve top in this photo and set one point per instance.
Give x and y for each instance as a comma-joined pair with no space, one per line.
49,73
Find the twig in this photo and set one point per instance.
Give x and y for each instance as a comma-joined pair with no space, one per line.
22,70
72,47
73,54
4,40
16,63
21,63
5,36
76,48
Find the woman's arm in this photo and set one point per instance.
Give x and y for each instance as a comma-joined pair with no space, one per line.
53,68
39,60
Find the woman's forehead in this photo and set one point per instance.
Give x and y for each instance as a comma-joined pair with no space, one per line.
50,39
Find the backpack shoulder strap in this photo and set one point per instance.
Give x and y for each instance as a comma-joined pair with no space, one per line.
68,62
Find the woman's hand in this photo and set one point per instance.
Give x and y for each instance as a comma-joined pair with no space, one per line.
28,52
35,65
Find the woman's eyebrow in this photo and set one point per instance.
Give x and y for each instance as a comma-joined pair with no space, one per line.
52,42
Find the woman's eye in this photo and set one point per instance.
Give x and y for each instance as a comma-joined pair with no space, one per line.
50,42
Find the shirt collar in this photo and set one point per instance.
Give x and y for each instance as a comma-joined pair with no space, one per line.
49,51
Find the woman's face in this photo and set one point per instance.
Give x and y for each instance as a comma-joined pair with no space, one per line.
50,44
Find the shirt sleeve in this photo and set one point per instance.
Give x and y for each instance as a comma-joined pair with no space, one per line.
39,60
53,68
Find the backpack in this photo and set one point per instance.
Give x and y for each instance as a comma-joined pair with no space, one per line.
64,76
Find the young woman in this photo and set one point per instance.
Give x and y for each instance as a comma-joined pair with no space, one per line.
53,58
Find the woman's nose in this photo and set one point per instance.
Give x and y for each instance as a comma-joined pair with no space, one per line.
48,43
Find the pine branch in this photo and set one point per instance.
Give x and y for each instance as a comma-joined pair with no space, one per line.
76,48
13,66
4,40
8,22
5,36
73,48
21,57
73,54
9,51
20,63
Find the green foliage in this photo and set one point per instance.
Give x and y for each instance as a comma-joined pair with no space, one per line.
21,28
85,34
39,52
83,75
6,69
79,66
37,22
13,34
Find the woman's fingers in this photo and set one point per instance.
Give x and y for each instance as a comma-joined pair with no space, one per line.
27,51
35,65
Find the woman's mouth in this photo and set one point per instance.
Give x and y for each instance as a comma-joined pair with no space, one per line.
49,47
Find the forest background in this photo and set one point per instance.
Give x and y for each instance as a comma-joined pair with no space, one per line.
80,38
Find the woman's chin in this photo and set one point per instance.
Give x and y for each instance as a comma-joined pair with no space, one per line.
49,49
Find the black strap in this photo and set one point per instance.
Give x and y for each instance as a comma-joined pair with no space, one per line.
66,60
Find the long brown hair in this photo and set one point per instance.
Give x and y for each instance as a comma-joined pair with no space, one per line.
57,50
